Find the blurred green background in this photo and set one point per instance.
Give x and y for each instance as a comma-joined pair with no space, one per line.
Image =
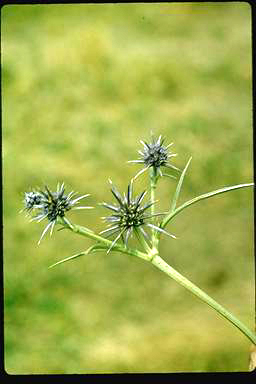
81,85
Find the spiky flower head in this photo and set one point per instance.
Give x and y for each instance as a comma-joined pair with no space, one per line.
155,154
51,205
129,215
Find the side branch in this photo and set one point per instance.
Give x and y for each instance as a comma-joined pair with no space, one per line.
91,235
170,216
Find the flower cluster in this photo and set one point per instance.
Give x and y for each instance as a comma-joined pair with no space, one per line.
129,215
51,205
155,155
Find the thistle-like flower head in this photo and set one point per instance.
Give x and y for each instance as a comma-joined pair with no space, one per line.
129,215
155,154
51,205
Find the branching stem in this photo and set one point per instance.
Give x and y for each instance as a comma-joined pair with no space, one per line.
91,235
152,255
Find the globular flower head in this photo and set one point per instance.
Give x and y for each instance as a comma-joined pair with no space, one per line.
155,154
129,215
51,205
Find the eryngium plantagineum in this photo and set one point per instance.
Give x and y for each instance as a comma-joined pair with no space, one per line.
129,216
155,155
51,205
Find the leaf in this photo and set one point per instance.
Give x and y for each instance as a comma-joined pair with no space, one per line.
93,248
199,198
179,185
68,258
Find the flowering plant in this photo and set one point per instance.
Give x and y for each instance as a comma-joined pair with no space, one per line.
130,216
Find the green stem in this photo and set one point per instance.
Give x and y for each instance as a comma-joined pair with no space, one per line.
163,266
158,262
91,235
153,178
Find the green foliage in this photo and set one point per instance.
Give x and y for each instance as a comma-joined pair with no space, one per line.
82,84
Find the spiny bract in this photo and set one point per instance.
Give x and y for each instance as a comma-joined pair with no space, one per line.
129,215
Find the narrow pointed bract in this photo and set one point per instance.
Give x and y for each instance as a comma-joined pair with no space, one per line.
51,205
161,230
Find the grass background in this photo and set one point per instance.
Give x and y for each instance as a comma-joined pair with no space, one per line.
81,85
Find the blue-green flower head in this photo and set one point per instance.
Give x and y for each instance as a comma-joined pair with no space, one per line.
155,154
51,205
129,215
